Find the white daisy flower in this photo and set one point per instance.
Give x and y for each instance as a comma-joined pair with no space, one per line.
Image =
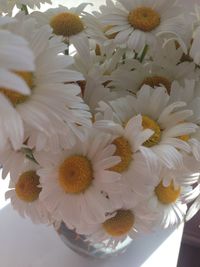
142,23
104,43
104,64
167,198
12,161
76,183
10,47
65,139
157,73
54,105
15,54
168,122
105,68
118,72
68,23
8,6
173,54
188,175
94,91
132,167
126,222
97,72
24,194
189,93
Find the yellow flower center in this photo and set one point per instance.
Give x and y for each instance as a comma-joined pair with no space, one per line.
66,24
15,97
158,81
144,18
27,186
185,138
98,50
148,123
167,195
75,174
124,151
120,224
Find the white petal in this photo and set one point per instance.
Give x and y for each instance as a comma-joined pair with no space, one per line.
11,123
13,82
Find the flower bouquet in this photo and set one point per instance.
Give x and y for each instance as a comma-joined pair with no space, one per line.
100,115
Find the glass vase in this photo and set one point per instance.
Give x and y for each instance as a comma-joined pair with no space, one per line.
82,246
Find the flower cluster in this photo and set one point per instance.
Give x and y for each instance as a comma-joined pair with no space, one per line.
100,115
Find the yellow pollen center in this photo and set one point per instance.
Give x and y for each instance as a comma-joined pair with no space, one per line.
144,18
75,174
158,81
120,224
27,186
15,97
98,50
167,195
184,138
66,24
124,151
148,123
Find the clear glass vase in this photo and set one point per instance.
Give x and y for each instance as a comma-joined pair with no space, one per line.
82,246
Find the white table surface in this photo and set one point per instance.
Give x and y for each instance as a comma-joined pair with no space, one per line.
24,244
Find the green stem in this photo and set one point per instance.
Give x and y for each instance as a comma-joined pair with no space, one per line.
25,9
29,154
31,158
144,52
